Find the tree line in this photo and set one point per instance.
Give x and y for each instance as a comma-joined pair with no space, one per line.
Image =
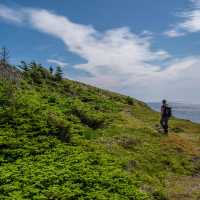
12,72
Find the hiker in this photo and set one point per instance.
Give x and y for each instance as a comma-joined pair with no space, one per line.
165,115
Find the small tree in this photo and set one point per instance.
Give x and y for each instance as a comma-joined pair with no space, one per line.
51,69
24,67
4,56
58,73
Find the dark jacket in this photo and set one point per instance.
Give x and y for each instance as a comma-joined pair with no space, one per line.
163,110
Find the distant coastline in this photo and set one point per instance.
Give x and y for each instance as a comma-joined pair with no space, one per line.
181,110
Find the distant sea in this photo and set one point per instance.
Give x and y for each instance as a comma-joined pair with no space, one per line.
181,110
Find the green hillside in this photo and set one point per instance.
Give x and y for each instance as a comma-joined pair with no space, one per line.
60,139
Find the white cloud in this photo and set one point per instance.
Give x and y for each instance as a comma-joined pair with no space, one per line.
147,34
57,62
173,33
190,21
120,60
118,50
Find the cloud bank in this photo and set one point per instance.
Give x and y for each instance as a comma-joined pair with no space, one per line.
116,59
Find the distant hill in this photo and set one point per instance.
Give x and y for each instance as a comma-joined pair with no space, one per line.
61,139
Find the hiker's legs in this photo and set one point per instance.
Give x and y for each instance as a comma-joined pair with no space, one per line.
164,124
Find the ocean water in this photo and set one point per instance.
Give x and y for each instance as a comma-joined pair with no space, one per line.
181,110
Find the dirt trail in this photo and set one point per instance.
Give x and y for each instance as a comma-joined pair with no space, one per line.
185,187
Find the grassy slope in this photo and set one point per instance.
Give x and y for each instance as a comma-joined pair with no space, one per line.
114,150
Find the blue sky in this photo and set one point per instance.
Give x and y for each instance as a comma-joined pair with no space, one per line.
146,49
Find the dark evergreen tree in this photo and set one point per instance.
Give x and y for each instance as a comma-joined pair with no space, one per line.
23,66
4,56
58,73
51,69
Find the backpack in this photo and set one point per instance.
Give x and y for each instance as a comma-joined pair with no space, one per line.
168,111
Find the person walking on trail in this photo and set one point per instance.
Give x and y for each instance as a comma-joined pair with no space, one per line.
165,115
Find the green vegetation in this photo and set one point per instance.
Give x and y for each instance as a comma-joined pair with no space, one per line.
61,139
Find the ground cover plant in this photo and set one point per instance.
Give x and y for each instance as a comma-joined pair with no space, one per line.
61,139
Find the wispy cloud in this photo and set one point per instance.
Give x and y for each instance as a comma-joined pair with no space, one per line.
57,62
190,21
118,59
173,33
11,15
117,51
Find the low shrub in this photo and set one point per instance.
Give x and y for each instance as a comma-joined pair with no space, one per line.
129,100
58,127
92,120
